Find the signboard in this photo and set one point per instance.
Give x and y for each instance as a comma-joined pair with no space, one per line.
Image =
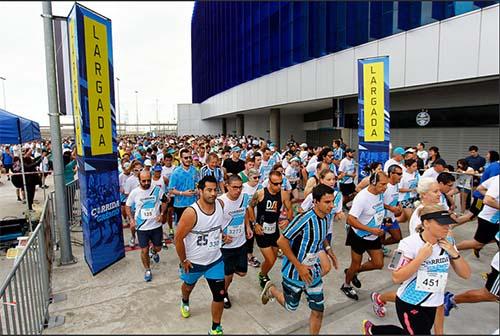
91,59
373,110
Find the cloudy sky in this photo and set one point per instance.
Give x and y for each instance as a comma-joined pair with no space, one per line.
151,47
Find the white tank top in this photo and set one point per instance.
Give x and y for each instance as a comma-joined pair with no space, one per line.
203,243
234,220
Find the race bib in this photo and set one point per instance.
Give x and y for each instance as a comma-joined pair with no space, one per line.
432,282
379,217
235,231
269,228
310,259
147,213
214,242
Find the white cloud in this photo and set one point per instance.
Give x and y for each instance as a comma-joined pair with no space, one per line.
151,54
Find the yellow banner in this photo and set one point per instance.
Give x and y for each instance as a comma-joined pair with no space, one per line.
74,88
373,82
96,52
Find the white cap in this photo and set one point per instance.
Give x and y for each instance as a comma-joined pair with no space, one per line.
148,163
303,144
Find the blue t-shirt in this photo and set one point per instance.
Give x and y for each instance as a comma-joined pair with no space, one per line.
183,180
6,159
476,162
492,170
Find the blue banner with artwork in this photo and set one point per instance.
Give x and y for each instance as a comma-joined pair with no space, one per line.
373,111
93,97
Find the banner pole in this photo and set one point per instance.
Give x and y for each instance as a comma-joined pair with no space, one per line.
55,135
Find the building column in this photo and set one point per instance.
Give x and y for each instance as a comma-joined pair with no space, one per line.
274,127
240,125
224,126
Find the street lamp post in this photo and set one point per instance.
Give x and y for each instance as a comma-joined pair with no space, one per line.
157,120
117,107
4,99
137,112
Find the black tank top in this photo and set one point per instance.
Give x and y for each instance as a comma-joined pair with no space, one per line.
268,210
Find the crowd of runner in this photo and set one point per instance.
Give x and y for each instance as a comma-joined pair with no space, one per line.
216,197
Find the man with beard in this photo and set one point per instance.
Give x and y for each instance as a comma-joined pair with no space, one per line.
150,208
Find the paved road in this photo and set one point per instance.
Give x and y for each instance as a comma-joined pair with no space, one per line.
119,301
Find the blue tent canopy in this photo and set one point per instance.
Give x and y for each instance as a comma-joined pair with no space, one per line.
17,130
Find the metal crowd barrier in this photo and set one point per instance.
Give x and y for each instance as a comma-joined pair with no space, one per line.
72,190
73,203
25,293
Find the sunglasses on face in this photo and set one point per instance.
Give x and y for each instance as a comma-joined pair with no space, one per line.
255,177
398,174
187,157
144,181
276,183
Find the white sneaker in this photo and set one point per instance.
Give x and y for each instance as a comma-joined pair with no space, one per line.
131,242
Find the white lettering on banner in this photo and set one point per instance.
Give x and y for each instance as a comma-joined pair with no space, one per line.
104,208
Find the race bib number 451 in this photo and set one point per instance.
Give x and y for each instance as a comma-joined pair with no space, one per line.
432,282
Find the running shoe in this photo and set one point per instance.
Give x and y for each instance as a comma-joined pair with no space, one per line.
367,327
131,242
148,276
449,303
386,251
253,262
378,306
349,292
266,295
355,281
476,252
155,256
171,233
217,331
227,302
185,310
262,280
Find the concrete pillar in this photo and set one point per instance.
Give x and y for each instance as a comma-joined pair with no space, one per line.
240,125
224,126
274,127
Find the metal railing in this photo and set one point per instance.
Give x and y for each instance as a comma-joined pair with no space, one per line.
25,293
73,203
72,190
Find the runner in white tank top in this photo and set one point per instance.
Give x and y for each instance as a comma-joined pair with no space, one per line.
235,231
197,243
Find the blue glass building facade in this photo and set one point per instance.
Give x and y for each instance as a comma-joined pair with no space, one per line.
233,42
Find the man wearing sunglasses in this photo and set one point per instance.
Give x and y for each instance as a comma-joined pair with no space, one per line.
392,208
250,188
235,231
150,204
183,182
268,202
130,184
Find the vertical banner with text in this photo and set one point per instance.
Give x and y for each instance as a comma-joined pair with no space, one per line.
373,111
91,69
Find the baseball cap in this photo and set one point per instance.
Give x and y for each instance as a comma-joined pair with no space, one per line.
236,149
295,159
442,217
157,168
126,165
398,151
148,163
350,150
410,150
303,144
